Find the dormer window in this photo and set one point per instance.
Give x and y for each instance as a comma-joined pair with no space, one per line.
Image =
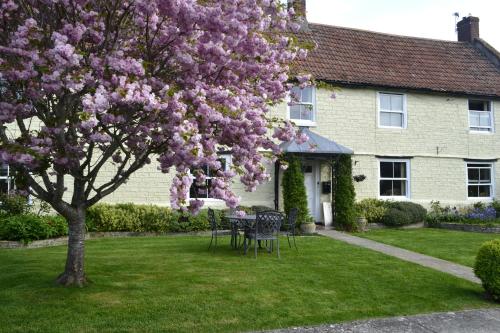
302,109
480,116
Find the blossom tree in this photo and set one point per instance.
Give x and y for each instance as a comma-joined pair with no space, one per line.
90,83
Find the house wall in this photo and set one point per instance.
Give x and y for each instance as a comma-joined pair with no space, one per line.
437,139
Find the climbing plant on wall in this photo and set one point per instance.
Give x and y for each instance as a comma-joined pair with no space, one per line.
294,190
345,212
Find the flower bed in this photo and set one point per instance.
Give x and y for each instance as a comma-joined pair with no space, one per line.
476,218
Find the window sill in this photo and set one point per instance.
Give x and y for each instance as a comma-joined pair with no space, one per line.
304,123
481,132
487,199
392,127
401,198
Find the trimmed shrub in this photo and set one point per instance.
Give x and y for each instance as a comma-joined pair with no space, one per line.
294,190
496,205
416,211
487,267
401,213
30,227
394,217
345,211
143,218
372,209
13,204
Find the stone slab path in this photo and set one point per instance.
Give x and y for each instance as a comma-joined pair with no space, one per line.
469,321
460,271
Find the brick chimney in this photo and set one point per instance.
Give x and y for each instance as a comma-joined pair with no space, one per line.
299,7
468,29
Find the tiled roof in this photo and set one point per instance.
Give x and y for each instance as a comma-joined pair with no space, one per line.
358,57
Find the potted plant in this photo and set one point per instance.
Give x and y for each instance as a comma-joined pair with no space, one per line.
308,226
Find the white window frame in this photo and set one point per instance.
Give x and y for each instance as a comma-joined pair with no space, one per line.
228,159
491,128
301,122
492,180
8,178
403,112
408,179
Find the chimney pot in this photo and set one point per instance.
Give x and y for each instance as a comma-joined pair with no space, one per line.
468,29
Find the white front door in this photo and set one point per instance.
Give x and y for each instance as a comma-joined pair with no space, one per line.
310,181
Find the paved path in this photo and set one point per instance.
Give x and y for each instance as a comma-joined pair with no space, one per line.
470,321
460,271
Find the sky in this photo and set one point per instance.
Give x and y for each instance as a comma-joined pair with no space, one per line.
418,18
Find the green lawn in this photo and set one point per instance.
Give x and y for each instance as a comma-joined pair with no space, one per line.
457,246
173,284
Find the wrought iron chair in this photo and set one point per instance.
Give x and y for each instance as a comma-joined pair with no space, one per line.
213,226
267,228
290,226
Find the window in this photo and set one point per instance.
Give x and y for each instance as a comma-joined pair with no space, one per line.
479,180
392,110
394,179
302,107
203,192
6,183
480,116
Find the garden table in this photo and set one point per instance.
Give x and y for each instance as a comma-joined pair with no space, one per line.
240,223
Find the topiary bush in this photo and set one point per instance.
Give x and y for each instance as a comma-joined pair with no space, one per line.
30,227
487,267
294,190
345,210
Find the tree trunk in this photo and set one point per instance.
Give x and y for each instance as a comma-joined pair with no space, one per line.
74,273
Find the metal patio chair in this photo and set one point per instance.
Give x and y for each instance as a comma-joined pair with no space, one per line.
267,228
290,226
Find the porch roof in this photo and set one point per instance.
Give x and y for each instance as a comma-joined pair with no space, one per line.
316,144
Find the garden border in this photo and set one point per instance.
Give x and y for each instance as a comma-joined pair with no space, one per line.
5,244
468,227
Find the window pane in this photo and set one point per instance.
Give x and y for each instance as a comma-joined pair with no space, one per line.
4,170
4,186
484,190
386,170
474,119
385,119
484,119
386,187
479,105
307,169
306,112
473,175
385,102
397,119
397,102
295,111
295,94
473,191
399,170
306,95
399,187
485,176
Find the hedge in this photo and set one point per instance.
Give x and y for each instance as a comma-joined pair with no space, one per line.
144,218
345,211
30,227
294,190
